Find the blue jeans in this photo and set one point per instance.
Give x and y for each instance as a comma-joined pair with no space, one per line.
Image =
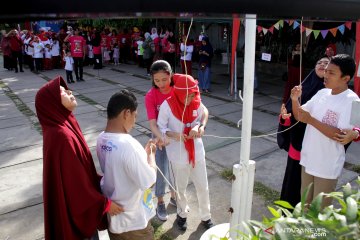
163,164
204,78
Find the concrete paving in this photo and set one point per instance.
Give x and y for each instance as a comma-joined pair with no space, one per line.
21,205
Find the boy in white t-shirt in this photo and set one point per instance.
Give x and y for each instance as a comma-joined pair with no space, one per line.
129,170
327,115
69,66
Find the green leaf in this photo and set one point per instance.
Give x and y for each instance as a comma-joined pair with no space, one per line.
341,218
274,212
352,210
298,210
304,197
347,191
284,204
315,206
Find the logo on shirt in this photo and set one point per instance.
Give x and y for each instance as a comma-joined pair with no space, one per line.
108,147
331,118
147,200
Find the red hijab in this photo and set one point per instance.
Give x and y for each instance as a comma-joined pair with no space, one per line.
183,86
73,203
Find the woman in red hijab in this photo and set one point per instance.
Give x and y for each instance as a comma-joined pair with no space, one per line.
181,119
74,207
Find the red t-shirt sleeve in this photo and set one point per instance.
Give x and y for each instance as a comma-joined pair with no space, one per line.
150,105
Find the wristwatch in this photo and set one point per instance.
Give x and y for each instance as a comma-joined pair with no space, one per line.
202,125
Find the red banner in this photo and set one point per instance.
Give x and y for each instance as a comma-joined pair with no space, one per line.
235,38
357,60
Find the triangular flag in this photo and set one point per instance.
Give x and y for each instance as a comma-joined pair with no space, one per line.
281,23
271,29
296,24
316,33
265,31
276,25
308,31
291,22
324,33
302,28
348,25
259,29
333,31
342,29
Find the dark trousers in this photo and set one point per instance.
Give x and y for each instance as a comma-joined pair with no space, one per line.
147,63
97,61
38,64
18,59
69,76
291,188
78,67
30,62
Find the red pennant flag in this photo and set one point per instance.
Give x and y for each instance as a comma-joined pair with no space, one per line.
259,29
333,31
303,28
348,25
357,60
271,29
235,38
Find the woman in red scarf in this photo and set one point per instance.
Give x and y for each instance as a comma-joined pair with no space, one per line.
73,204
181,119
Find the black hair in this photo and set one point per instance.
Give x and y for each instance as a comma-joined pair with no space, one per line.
345,63
122,100
160,66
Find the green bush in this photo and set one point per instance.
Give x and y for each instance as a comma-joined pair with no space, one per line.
310,222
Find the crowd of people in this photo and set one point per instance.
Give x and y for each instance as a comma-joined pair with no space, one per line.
72,48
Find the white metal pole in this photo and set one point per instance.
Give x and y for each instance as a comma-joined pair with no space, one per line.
248,93
245,171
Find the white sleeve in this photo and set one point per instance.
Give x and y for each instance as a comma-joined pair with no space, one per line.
182,47
139,170
309,105
163,118
190,49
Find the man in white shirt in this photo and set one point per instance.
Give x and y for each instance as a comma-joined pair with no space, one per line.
129,170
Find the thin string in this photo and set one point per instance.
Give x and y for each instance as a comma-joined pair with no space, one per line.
170,185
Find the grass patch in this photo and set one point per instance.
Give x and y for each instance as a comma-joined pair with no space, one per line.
159,231
356,168
267,193
227,174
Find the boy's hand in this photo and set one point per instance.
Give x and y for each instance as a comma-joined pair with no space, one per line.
283,112
150,147
295,93
115,209
346,136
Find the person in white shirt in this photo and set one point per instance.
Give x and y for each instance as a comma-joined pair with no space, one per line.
129,170
181,119
186,48
38,53
69,66
327,115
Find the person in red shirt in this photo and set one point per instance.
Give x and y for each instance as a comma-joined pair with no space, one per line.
16,50
77,48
